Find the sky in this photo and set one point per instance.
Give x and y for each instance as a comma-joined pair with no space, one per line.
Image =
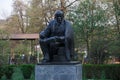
5,8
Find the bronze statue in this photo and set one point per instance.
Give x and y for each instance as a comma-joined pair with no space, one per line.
56,40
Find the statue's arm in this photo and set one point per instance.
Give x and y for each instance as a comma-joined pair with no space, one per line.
46,32
60,38
54,39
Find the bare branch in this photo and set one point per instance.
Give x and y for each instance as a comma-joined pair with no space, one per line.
71,3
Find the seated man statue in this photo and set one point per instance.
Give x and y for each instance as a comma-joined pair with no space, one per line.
57,39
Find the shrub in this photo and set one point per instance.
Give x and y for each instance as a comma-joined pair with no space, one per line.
103,76
6,70
27,70
3,77
90,71
32,77
108,71
17,75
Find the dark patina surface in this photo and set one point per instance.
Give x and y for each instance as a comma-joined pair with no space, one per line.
56,41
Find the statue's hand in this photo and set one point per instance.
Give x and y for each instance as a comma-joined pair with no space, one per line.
56,38
52,39
59,39
43,40
48,40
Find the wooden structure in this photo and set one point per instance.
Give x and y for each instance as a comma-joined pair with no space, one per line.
33,38
21,37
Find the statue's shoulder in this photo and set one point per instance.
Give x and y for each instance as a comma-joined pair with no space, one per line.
67,22
51,21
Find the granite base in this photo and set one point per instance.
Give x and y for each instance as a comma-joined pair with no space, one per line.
58,72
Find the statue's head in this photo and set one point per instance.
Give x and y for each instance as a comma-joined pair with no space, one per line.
59,16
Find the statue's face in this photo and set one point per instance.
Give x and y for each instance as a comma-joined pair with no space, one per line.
59,19
59,16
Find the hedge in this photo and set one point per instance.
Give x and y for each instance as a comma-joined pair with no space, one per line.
110,71
90,71
27,70
8,70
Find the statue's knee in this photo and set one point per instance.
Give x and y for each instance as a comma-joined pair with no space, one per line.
41,35
40,42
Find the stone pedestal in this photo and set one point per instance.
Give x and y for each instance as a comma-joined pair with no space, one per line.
58,72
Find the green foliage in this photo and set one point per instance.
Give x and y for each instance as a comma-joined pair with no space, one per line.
6,70
93,33
32,77
84,76
4,52
27,70
108,71
3,78
22,47
114,48
90,71
17,75
9,70
116,5
103,75
99,51
4,48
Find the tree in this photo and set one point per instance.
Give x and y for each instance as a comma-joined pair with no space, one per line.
116,7
115,28
19,20
20,10
91,30
4,48
41,12
32,16
37,15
